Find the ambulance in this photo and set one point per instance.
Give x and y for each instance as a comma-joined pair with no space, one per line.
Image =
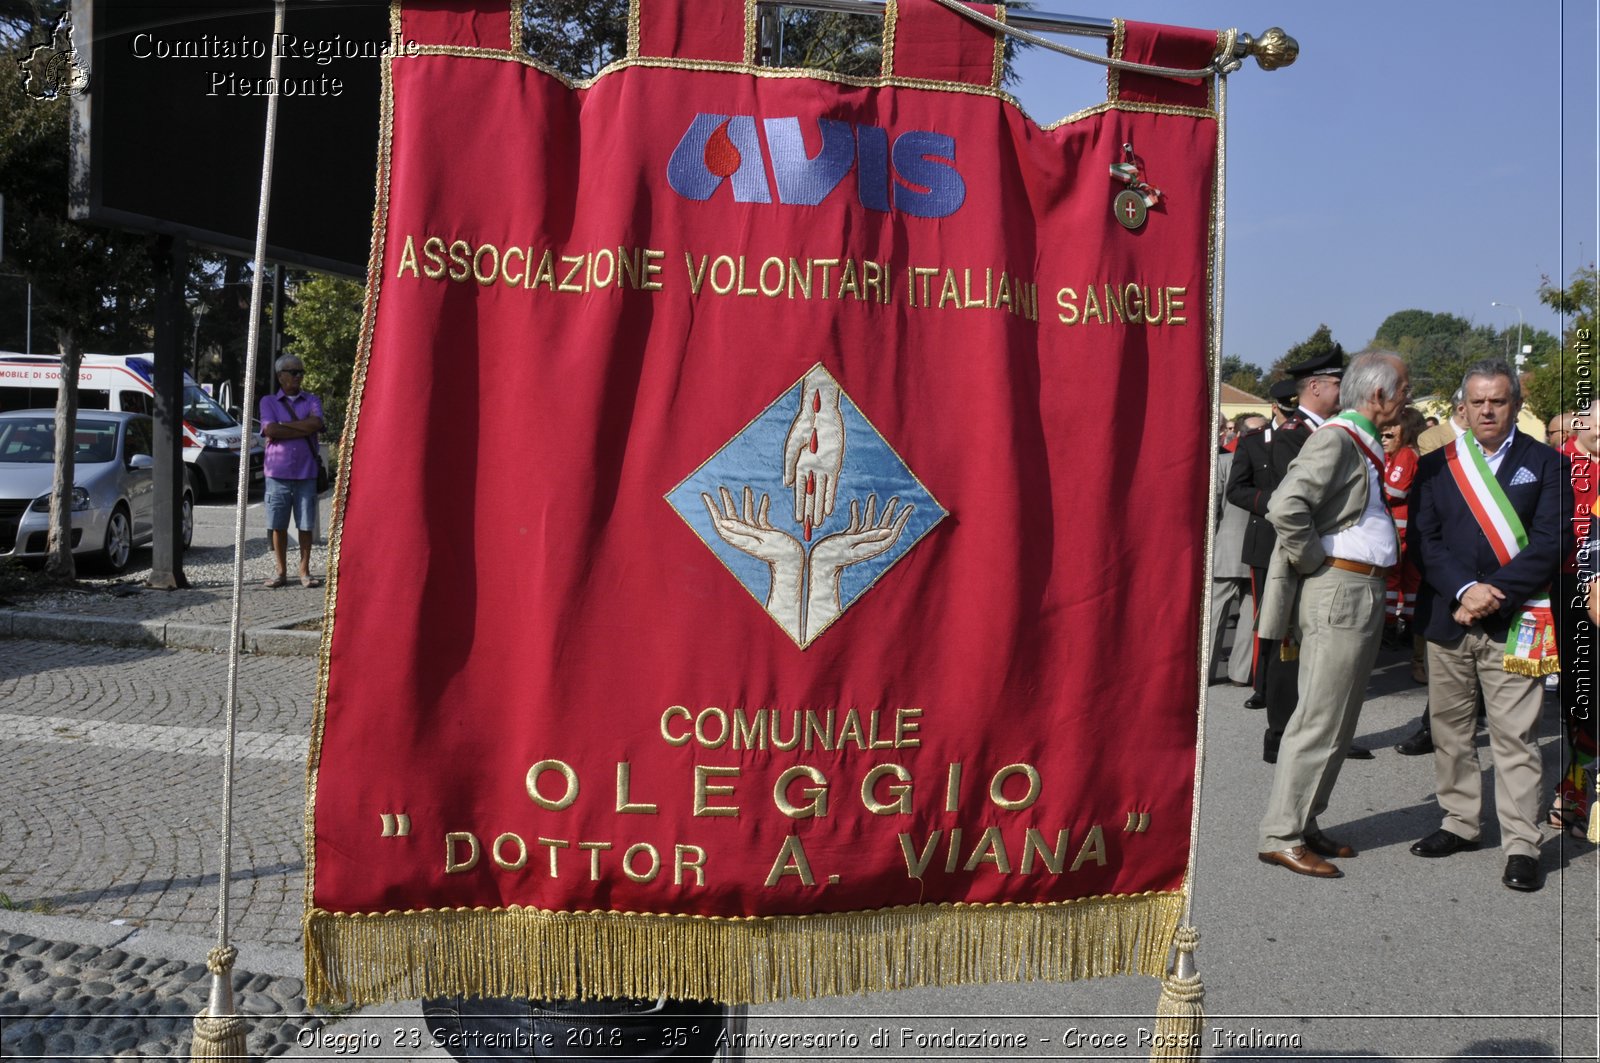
127,382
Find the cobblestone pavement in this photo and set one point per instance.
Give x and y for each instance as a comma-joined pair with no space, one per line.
113,809
110,814
67,1001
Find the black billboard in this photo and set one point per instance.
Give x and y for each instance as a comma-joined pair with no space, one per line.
168,129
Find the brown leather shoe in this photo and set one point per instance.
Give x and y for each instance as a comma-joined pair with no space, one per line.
1302,861
1323,845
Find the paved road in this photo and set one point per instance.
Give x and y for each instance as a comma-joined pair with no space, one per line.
109,857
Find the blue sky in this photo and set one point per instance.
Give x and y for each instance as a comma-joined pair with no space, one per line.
1418,154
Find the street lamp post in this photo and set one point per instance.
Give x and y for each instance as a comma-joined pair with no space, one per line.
1521,357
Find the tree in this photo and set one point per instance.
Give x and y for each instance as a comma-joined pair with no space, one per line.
324,329
1438,348
575,37
1241,374
1565,379
1315,345
579,37
89,284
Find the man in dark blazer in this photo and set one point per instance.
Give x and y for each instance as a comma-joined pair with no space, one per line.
1251,478
1477,582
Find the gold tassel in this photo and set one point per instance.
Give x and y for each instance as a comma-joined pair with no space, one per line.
1594,822
1288,651
1180,1013
218,1033
217,1038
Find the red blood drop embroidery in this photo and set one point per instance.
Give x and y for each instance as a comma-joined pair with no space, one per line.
816,403
813,441
722,158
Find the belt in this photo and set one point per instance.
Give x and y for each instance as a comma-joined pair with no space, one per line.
1358,566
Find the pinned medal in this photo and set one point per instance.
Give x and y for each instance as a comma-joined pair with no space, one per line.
1129,208
1132,205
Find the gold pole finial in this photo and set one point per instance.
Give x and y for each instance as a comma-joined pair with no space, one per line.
1273,49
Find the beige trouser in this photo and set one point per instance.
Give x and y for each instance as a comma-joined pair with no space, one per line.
1341,621
1228,594
1513,702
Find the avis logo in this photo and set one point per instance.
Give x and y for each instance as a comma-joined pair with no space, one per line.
917,173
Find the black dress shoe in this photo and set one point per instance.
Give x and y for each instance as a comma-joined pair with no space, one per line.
1442,843
1522,873
1255,701
1417,744
1323,845
1356,752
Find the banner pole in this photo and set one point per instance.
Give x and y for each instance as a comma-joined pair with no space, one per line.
219,1032
1272,50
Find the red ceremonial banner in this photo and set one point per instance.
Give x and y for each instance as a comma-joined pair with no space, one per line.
769,548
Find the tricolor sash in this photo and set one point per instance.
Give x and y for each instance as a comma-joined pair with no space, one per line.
1356,425
1531,642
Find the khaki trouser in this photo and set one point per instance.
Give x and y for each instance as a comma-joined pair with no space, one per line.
1341,622
1513,702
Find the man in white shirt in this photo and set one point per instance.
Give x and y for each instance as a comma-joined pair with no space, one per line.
1336,543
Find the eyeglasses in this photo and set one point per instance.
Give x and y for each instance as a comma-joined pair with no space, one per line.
293,372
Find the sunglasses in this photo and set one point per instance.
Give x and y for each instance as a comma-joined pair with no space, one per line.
293,372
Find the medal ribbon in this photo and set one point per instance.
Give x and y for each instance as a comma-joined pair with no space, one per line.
1128,174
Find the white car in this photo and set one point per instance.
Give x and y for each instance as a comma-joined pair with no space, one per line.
113,490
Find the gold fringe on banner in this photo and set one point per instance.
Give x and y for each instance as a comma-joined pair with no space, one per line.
1594,822
526,952
1180,1012
1533,669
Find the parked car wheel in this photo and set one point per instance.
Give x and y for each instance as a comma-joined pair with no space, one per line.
119,541
187,526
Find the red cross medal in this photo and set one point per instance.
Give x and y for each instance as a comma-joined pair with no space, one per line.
1129,208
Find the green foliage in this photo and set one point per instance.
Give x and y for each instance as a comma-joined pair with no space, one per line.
1318,343
1438,348
1242,375
1564,379
324,328
91,281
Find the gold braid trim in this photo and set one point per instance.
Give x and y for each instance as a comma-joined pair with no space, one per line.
633,30
997,71
525,952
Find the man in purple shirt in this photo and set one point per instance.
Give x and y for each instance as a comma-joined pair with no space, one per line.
290,420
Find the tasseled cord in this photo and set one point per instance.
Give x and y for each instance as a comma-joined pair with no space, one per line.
1180,1013
1594,822
218,1032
